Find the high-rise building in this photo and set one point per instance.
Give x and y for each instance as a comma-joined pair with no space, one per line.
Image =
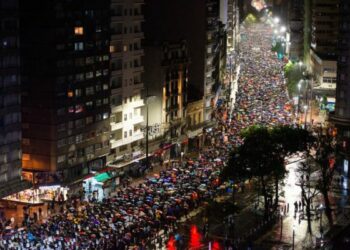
173,20
126,80
233,26
10,100
341,116
295,29
323,52
66,89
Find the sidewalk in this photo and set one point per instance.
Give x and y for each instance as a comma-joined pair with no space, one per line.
281,236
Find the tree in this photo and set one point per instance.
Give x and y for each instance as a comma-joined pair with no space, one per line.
325,162
287,141
308,192
262,156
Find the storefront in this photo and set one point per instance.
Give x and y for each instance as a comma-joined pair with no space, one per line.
39,195
194,140
100,185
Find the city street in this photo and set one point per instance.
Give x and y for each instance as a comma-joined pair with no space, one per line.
260,98
139,215
174,125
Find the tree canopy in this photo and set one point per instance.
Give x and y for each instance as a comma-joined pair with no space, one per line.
262,154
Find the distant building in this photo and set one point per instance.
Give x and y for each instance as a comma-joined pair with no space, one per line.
65,89
10,100
341,116
194,125
173,20
126,80
166,79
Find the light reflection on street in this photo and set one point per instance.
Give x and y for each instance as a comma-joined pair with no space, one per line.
195,238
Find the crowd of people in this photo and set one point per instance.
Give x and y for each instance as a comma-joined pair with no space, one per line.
132,217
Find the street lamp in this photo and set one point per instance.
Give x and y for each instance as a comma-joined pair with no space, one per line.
281,213
305,110
283,29
321,212
276,20
293,236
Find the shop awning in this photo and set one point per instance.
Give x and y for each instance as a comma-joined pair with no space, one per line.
102,177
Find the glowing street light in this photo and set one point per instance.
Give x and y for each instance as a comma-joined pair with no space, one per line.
276,20
293,235
283,29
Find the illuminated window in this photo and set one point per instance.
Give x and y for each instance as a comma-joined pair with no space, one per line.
125,48
89,75
111,49
79,30
61,158
78,46
26,157
79,138
79,108
70,93
78,92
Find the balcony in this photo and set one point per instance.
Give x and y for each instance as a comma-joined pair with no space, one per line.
138,119
138,17
138,135
138,69
139,52
116,18
116,35
138,103
138,86
116,126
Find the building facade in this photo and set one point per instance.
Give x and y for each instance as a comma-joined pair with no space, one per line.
324,39
10,100
195,125
166,79
126,80
295,29
66,90
341,116
200,33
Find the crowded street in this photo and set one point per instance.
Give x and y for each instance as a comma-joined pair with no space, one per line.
143,216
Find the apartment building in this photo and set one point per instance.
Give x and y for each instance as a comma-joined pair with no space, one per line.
341,117
166,79
126,80
295,29
173,20
10,100
324,39
65,89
